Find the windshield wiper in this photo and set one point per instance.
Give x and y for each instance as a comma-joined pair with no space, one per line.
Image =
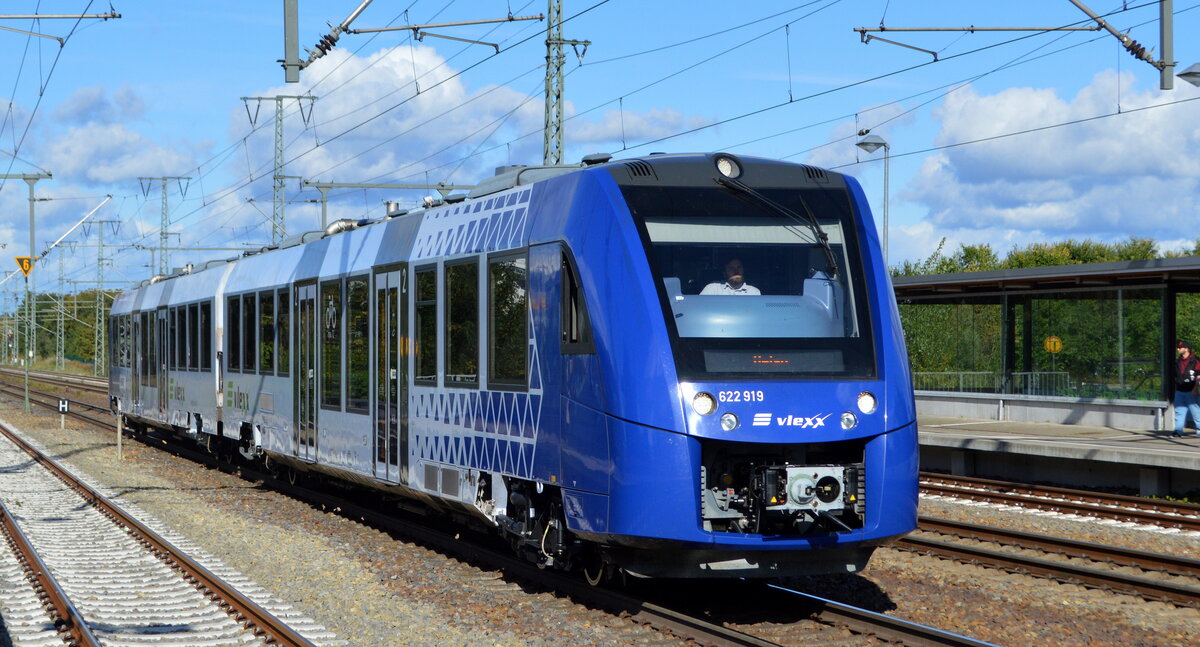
810,219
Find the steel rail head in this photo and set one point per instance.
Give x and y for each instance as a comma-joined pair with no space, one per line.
241,607
884,626
1182,595
1073,547
64,614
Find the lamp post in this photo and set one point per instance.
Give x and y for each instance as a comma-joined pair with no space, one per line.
1191,75
872,143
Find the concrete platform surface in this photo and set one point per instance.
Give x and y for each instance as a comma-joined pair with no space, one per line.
1080,442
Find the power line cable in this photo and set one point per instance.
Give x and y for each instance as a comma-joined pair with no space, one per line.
42,91
828,91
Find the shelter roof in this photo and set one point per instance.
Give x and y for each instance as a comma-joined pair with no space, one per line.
1181,273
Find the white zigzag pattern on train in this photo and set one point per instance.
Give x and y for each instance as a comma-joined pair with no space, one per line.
442,233
486,430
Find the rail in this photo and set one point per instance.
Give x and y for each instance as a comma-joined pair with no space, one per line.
1157,512
65,617
241,607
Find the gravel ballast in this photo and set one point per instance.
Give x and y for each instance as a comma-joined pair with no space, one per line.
370,588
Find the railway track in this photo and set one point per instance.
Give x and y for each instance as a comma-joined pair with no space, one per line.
102,576
836,622
1155,512
80,383
33,596
1151,576
1155,577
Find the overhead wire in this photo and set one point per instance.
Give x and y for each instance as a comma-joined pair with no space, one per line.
41,92
1020,60
1026,131
872,79
239,186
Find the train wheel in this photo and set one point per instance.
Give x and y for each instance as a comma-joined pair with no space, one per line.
596,571
271,466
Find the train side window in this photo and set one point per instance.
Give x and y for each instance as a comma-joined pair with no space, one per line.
249,333
426,322
193,346
233,333
206,335
151,334
331,344
462,324
282,308
181,343
173,339
576,326
144,347
508,335
126,333
266,332
126,341
112,340
358,344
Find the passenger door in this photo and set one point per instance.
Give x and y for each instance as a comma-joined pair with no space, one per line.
391,374
135,363
306,324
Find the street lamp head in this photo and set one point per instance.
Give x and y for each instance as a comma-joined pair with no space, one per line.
1191,75
872,143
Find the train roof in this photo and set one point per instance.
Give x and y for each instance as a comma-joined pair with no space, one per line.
675,169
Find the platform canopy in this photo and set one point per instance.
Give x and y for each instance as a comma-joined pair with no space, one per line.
1098,330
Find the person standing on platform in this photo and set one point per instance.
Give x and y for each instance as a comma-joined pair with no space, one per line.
1187,366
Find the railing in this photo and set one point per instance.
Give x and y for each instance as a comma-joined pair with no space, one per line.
1029,383
966,381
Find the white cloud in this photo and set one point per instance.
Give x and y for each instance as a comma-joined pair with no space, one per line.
617,127
369,127
1105,179
94,105
111,153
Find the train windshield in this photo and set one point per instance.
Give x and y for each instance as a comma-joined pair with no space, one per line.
758,283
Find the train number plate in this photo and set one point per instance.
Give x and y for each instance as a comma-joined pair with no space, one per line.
740,396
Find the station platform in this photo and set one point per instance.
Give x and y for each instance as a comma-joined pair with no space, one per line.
1151,462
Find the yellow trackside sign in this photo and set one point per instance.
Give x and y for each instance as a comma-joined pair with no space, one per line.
1053,344
25,263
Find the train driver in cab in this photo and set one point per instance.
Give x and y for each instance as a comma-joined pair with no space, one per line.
735,281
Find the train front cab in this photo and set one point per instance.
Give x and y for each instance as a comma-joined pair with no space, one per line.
721,435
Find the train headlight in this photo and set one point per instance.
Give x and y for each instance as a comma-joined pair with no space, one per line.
729,422
867,402
728,166
849,421
704,403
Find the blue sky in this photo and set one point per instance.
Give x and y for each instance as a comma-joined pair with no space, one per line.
157,93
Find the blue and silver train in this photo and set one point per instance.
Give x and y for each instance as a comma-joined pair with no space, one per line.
678,366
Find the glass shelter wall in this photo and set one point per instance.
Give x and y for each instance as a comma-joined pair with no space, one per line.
1093,344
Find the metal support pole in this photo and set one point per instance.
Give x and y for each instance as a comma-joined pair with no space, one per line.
164,263
60,339
887,153
1166,39
99,339
291,42
278,226
278,230
552,137
324,205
